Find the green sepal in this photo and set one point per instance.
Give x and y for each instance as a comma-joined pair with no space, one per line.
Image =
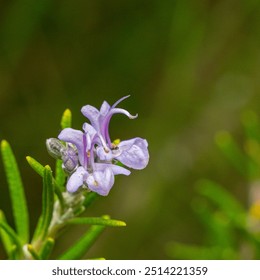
96,221
47,248
47,204
79,249
16,189
32,251
6,240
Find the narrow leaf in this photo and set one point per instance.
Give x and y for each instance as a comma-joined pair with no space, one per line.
19,206
11,233
32,251
47,204
66,119
224,200
90,198
250,122
97,221
60,175
47,248
232,152
35,165
192,252
7,241
39,168
78,250
48,199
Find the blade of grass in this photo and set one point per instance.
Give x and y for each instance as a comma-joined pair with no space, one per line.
19,205
96,221
78,250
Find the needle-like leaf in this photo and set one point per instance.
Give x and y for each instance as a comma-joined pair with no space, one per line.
39,168
11,233
47,248
19,205
32,251
6,240
47,204
60,176
78,250
96,221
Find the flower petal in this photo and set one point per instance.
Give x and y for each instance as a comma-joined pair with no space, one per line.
115,168
104,109
89,129
101,182
92,114
77,179
134,153
76,138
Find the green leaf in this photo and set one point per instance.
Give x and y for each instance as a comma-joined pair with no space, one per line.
35,165
97,221
232,152
90,198
47,204
78,250
193,252
39,168
7,241
60,175
11,233
66,119
251,125
32,251
224,200
47,248
19,206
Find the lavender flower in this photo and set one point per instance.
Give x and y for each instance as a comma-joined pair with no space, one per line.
98,177
90,156
133,153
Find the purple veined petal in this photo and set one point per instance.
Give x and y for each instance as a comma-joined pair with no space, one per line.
134,153
89,129
117,170
77,179
76,138
101,182
104,109
92,114
104,155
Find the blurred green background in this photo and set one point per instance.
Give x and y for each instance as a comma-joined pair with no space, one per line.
191,67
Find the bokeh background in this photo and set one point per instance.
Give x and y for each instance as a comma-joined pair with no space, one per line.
191,67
